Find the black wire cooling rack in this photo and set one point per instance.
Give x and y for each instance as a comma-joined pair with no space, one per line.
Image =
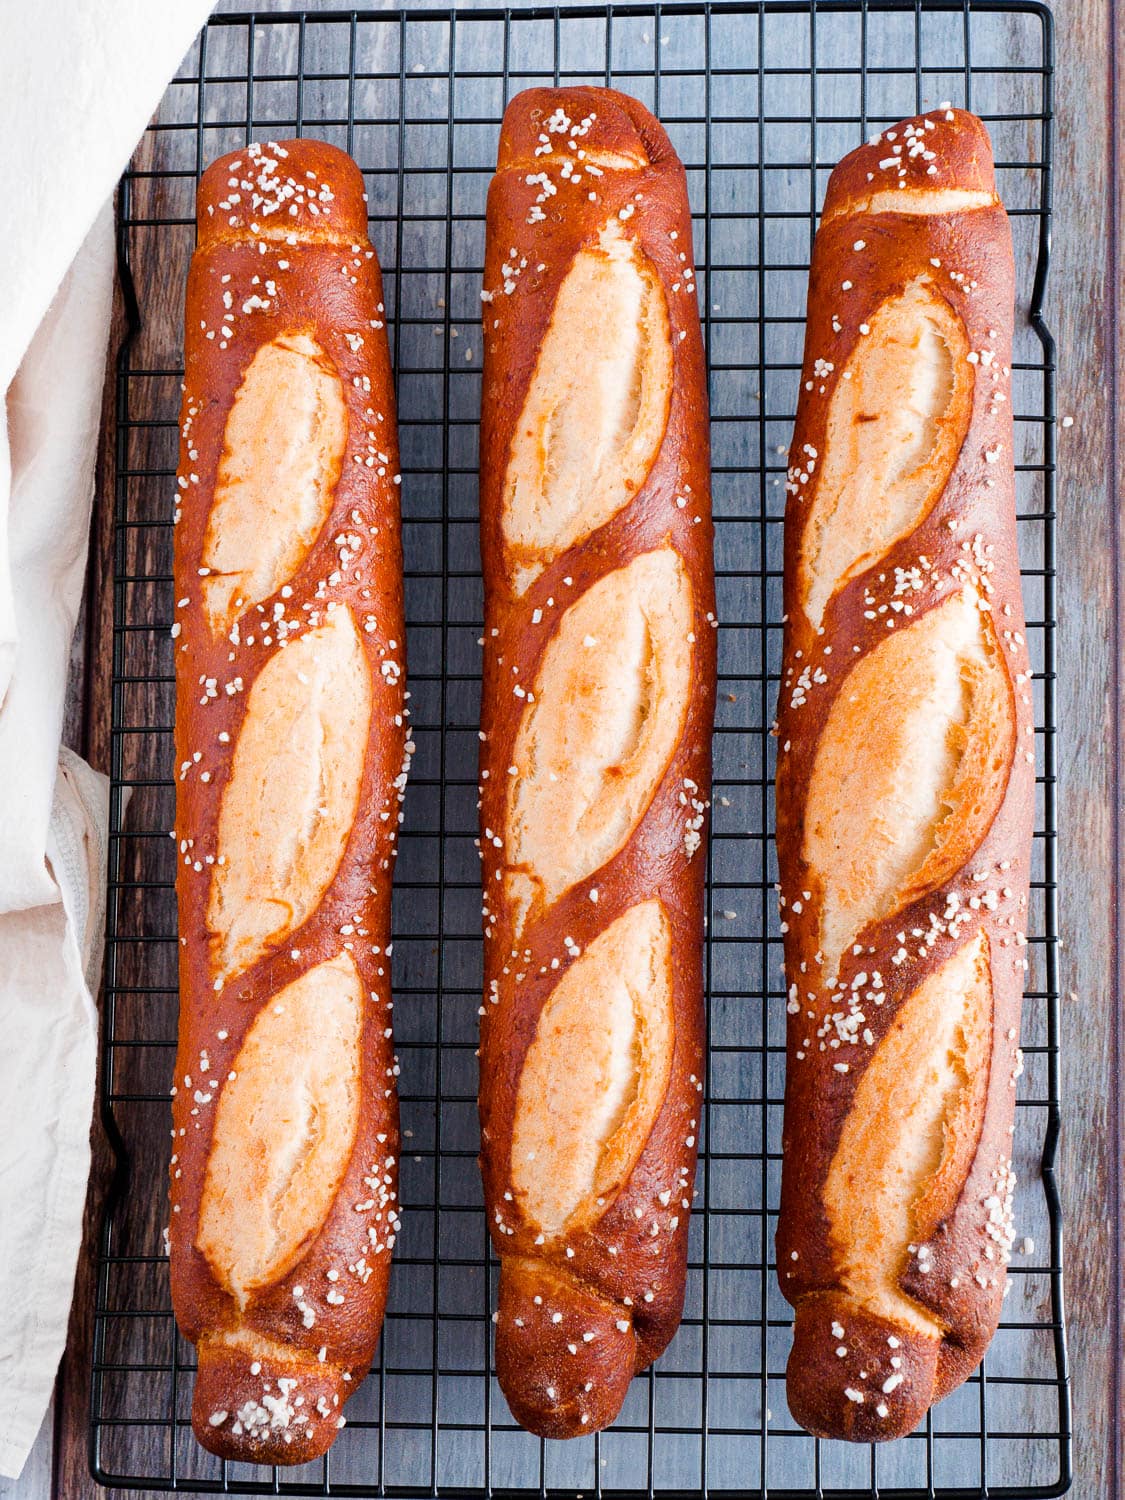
761,100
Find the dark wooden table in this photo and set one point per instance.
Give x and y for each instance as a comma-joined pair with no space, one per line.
1082,307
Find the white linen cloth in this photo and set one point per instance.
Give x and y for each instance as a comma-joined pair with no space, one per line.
78,84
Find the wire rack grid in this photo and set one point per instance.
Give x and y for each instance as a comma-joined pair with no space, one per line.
760,99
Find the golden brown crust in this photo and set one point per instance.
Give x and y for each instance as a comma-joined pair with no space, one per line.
283,257
856,1371
589,171
943,151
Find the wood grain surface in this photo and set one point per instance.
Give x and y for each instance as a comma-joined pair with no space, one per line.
1081,308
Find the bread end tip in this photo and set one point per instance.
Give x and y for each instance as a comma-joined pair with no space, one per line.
564,1354
294,191
855,1376
264,1410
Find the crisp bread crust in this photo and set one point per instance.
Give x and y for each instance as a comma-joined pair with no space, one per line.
961,161
876,1390
622,1283
263,215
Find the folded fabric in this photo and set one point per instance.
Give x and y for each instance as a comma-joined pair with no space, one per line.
77,86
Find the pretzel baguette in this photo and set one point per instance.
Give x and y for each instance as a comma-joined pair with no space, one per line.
598,701
905,787
291,757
